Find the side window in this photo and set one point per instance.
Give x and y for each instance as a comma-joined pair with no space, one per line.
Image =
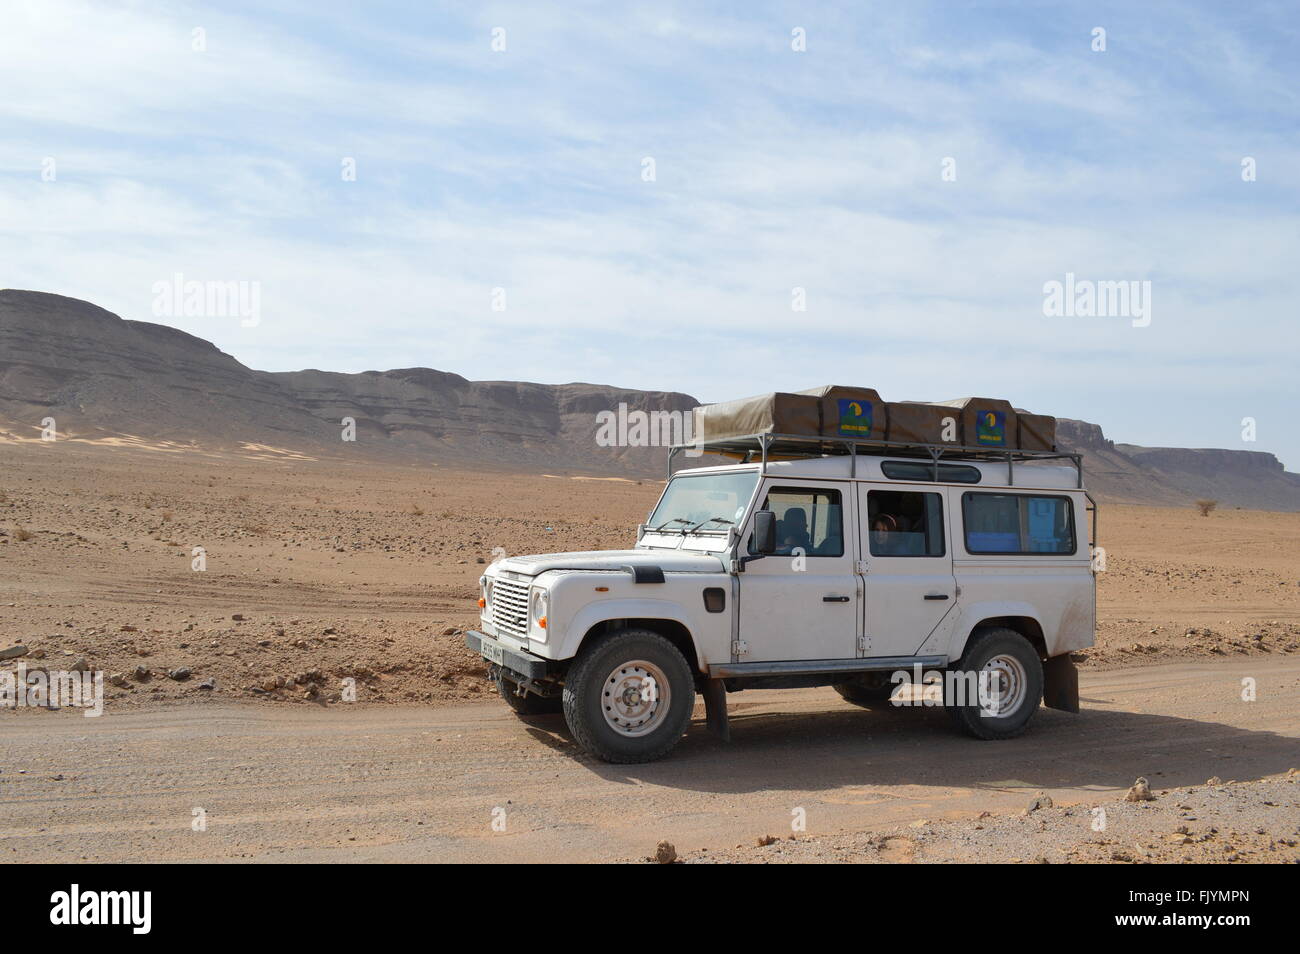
905,523
1018,524
811,520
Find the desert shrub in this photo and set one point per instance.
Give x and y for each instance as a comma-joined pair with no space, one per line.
1205,506
22,534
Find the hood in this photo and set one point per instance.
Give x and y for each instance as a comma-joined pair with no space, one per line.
670,561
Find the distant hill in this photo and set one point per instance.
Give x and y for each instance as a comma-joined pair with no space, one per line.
101,376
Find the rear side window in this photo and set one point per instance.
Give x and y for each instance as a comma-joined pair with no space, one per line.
905,523
1018,524
916,470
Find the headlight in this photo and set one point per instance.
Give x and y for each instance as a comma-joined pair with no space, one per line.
540,606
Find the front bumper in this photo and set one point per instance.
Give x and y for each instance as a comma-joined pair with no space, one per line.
516,661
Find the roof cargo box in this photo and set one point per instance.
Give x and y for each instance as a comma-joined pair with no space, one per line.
1035,431
777,413
984,422
911,422
850,412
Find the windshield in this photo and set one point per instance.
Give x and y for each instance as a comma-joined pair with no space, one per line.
709,503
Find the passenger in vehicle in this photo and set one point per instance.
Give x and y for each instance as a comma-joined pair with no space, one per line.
883,528
794,531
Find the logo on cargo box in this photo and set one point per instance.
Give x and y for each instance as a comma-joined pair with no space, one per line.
855,418
991,428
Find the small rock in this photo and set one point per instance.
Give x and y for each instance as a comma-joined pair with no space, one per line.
180,674
119,679
449,631
141,674
13,652
665,853
239,617
1214,780
1042,801
1140,792
79,664
209,683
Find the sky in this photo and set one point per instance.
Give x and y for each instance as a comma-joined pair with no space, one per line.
720,199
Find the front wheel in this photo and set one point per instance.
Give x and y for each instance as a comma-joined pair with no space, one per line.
629,697
998,687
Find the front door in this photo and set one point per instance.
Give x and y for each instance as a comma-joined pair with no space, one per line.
909,584
804,602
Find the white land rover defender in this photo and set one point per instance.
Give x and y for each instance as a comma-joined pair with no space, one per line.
823,558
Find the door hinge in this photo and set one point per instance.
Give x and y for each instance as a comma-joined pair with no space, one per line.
739,647
864,643
860,567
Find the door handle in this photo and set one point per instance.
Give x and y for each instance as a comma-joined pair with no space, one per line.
835,599
936,596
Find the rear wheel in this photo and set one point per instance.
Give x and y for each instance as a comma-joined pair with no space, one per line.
528,704
628,697
1003,695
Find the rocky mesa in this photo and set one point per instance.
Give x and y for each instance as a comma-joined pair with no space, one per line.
106,378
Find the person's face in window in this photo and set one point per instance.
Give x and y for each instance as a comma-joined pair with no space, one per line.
882,527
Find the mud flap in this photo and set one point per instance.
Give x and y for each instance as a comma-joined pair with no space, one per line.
715,709
1061,684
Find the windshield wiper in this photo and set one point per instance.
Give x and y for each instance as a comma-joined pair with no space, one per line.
668,521
729,523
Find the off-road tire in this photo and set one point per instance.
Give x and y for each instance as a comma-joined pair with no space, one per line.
585,701
869,697
530,704
985,645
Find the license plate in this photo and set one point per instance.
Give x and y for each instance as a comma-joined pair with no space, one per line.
493,651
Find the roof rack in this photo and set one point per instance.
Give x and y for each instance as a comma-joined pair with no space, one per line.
763,447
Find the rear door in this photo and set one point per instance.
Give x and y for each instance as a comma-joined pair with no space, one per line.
805,601
909,584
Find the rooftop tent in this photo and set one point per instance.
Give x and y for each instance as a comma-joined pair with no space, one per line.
1035,431
850,412
776,413
912,422
837,413
984,422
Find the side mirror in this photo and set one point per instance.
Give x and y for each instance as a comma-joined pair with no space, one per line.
764,531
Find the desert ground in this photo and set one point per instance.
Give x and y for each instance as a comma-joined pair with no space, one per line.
224,689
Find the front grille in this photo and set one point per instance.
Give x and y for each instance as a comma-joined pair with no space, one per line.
510,607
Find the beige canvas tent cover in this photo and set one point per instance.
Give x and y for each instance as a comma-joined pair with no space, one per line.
838,412
850,412
1035,431
777,413
984,422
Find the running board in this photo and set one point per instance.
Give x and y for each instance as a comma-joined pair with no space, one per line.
795,667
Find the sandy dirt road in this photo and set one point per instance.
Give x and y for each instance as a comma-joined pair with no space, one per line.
404,783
